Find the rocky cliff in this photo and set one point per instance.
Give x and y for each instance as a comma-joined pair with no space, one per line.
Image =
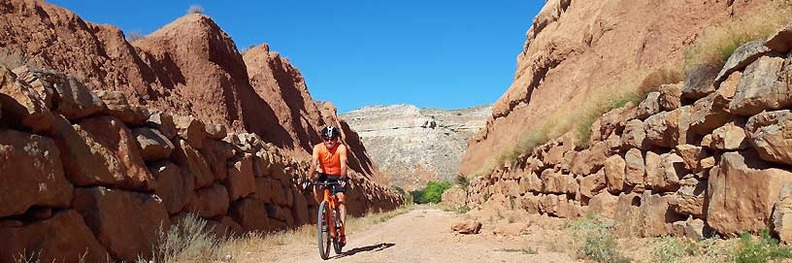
578,50
122,137
412,145
695,158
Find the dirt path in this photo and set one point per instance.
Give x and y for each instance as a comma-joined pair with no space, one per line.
424,235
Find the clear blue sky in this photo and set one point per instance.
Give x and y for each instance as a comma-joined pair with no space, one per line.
437,54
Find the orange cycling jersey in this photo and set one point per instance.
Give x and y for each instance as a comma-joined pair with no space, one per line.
330,159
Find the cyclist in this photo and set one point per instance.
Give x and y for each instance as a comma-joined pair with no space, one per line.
330,157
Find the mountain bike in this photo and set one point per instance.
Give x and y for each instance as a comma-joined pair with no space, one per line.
328,221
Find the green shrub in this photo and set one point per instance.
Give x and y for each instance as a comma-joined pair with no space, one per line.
595,240
431,194
762,249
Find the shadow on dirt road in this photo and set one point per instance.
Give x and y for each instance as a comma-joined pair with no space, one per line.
372,248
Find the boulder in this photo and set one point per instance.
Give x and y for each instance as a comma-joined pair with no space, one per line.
101,151
691,155
21,105
634,134
62,238
250,214
742,57
555,182
658,132
760,88
634,169
664,171
210,201
126,223
649,106
32,173
117,106
604,204
689,199
215,131
530,182
781,41
769,133
467,228
691,228
706,115
592,184
614,173
40,80
240,182
191,160
782,214
163,122
173,186
741,193
729,137
699,82
191,129
153,144
76,101
217,154
670,96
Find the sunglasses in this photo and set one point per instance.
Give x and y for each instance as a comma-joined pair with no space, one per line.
328,139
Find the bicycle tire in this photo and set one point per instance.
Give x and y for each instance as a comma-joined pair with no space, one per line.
336,219
323,232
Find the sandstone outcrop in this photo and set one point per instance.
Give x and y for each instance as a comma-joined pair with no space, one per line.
576,51
412,145
107,184
106,140
722,169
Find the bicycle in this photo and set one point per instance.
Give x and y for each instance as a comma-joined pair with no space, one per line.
328,233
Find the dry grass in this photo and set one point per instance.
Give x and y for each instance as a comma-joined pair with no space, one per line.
187,241
718,42
195,9
272,243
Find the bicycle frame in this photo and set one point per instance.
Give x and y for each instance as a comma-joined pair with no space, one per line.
332,202
328,213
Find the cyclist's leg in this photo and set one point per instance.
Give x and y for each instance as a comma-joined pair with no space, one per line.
342,211
318,191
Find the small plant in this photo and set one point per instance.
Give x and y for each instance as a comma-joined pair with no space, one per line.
186,241
668,249
598,243
463,209
761,249
195,9
462,181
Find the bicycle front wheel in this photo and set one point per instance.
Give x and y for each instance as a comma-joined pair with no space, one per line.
323,231
337,222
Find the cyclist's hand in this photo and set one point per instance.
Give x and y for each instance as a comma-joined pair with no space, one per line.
342,182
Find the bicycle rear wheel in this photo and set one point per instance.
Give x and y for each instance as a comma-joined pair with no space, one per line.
323,231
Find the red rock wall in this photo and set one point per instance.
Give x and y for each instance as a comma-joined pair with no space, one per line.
85,170
693,158
577,49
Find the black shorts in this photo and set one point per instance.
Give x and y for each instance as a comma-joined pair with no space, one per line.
332,178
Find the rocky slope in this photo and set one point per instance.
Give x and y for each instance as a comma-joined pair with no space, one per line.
123,137
577,50
695,159
412,145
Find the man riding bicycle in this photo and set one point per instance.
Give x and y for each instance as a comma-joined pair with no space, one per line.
331,158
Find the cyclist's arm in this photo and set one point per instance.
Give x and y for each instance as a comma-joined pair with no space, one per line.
343,157
314,163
